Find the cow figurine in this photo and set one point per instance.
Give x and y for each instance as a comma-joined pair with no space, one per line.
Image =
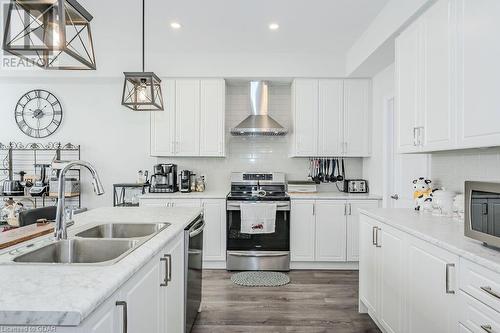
422,192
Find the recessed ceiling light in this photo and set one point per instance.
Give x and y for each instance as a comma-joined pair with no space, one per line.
274,26
175,25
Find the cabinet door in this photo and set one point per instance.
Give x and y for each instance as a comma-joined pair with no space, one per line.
330,230
368,267
331,129
142,295
438,50
172,295
357,117
479,73
212,117
431,279
187,117
302,231
163,123
106,319
305,117
407,79
214,234
353,226
391,278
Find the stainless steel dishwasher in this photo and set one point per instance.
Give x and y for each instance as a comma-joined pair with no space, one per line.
193,245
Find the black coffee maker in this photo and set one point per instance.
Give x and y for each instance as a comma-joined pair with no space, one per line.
185,179
164,179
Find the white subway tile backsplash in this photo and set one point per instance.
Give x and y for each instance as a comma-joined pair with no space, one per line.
452,169
255,153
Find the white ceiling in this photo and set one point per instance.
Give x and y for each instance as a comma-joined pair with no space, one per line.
241,26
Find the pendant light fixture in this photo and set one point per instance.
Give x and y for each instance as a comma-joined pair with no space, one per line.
142,90
50,34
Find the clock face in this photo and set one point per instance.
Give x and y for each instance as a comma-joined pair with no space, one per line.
38,113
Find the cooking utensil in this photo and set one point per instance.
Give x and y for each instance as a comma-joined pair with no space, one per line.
340,177
321,175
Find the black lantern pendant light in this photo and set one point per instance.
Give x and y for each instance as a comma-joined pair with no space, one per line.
142,90
51,34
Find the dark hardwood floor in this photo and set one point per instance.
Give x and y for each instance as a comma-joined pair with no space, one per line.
314,302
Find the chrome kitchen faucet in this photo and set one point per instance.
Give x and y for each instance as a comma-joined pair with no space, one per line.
60,227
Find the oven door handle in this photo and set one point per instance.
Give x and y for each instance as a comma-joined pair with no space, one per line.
238,205
238,254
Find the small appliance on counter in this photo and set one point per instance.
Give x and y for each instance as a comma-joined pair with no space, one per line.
355,186
302,186
164,179
185,181
41,186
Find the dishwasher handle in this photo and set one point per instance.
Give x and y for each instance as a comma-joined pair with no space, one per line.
197,229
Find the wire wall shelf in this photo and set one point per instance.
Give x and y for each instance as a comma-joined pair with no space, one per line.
18,158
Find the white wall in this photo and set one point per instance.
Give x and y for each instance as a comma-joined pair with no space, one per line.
383,88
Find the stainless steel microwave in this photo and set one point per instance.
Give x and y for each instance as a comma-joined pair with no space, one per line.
482,212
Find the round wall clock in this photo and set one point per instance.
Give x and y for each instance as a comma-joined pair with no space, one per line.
38,113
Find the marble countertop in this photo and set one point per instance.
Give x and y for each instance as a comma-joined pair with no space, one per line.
64,295
443,232
335,196
190,195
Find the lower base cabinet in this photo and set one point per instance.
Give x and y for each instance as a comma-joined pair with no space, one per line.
326,230
406,284
151,301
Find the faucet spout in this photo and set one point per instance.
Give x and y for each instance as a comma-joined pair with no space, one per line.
60,227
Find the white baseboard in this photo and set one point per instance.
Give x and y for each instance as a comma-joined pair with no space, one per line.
214,265
324,265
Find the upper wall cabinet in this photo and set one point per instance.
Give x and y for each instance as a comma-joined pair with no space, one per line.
448,78
193,123
330,117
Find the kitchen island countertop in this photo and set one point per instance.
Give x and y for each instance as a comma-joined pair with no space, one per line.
64,295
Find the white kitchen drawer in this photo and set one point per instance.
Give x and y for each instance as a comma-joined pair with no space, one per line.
476,316
154,202
480,283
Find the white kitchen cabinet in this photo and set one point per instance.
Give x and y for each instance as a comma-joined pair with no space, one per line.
438,52
187,117
352,227
193,123
478,73
214,235
212,117
106,319
408,92
172,290
142,290
190,203
163,123
357,118
305,117
368,265
432,286
302,230
330,117
330,216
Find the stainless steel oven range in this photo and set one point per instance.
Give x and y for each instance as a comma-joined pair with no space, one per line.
258,251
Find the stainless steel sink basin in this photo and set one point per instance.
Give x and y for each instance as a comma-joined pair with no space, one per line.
80,251
123,230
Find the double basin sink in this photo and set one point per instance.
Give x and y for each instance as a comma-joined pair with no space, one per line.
104,244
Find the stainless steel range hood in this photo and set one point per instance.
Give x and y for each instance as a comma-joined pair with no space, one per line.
258,123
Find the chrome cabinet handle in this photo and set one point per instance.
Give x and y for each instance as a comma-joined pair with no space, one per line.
125,311
345,209
374,230
376,237
350,209
166,259
415,140
447,277
169,275
487,328
491,292
314,209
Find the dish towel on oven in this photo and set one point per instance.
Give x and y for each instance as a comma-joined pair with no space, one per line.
258,218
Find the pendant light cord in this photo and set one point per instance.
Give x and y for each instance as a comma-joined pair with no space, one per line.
143,19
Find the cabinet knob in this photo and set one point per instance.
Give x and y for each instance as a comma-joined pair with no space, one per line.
395,196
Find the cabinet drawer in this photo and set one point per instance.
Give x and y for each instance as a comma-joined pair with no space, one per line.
480,283
154,202
476,316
